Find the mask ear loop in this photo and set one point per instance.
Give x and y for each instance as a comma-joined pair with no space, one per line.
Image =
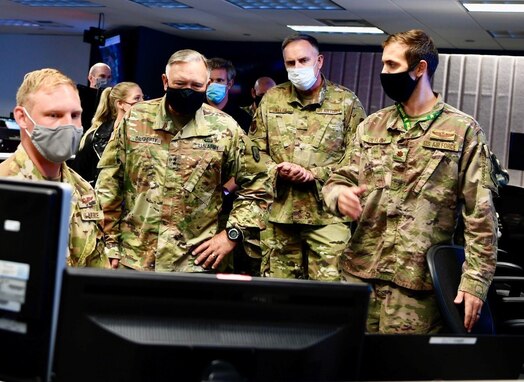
31,119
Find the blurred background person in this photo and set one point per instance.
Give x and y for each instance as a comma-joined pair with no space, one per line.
98,77
262,85
222,77
114,104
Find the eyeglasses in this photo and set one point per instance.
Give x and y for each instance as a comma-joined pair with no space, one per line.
132,103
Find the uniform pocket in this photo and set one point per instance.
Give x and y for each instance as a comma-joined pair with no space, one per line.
438,180
374,161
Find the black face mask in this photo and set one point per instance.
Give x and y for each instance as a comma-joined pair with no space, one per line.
258,98
398,86
185,101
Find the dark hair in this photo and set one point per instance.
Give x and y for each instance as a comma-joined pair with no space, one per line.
222,63
301,36
420,47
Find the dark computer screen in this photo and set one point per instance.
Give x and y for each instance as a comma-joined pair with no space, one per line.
34,225
111,54
419,357
141,326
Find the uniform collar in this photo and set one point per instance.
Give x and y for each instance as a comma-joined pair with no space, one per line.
395,121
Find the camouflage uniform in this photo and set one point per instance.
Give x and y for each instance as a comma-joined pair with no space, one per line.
85,236
250,109
314,136
161,190
419,181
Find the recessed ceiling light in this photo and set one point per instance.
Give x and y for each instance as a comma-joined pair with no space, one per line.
507,34
18,23
161,4
58,3
494,7
189,26
320,5
330,29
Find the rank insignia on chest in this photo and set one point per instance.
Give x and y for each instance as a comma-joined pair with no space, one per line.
86,201
173,162
256,153
400,155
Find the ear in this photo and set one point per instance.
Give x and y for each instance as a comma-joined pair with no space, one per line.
253,93
21,117
164,81
230,84
119,104
320,61
421,68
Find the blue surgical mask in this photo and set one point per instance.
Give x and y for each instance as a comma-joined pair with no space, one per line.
101,83
216,92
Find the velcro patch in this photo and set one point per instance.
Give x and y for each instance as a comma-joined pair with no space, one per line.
206,146
92,215
376,140
329,111
145,139
442,135
280,111
433,144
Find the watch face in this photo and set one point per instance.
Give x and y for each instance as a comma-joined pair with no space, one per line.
233,234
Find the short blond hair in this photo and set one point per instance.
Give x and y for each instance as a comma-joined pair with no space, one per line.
38,79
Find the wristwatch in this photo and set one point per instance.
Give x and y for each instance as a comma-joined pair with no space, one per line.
234,234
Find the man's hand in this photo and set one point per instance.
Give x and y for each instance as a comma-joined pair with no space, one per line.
114,263
211,253
294,173
472,308
348,202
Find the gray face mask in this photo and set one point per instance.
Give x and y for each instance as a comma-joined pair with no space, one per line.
56,144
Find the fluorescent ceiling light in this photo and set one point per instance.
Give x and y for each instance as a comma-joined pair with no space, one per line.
170,4
18,23
330,29
58,3
494,7
309,5
189,26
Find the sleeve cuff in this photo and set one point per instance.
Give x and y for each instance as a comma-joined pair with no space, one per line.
112,252
474,287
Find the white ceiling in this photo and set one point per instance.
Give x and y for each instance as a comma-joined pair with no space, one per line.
447,21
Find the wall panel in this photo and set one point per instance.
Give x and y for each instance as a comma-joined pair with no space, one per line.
487,87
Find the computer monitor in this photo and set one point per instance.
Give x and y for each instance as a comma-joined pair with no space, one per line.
111,54
419,357
142,326
34,225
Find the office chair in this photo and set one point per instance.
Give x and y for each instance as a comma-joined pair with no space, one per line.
508,302
445,267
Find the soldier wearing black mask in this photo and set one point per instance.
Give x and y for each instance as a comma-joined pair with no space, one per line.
415,169
162,175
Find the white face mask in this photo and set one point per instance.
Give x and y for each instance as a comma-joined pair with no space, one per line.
56,144
302,78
